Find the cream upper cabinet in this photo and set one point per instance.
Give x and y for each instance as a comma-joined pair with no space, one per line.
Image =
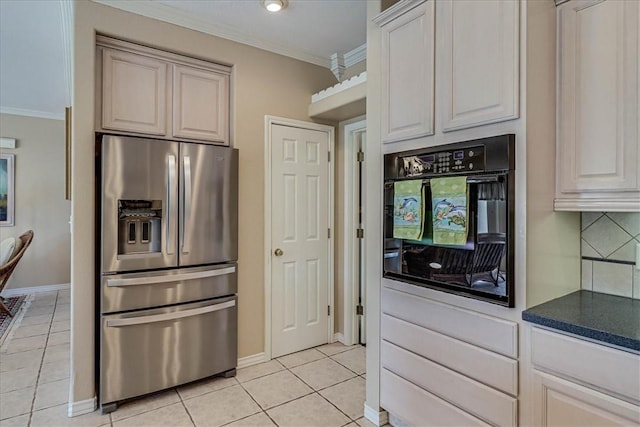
598,91
147,91
478,50
134,93
200,104
459,58
408,70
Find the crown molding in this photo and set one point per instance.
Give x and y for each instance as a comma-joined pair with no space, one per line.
356,55
396,10
337,66
174,16
32,113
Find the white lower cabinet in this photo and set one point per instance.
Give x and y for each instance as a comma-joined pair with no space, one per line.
574,382
562,403
441,366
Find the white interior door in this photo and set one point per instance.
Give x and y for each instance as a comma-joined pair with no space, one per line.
300,253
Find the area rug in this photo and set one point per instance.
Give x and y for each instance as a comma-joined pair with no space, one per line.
13,304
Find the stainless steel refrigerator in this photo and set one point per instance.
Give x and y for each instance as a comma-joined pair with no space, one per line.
168,272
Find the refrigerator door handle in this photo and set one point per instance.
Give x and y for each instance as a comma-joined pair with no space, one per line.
171,179
186,222
114,323
149,280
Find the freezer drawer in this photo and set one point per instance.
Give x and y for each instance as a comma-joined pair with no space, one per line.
123,292
150,350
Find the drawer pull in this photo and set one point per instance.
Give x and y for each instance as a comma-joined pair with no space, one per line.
115,323
149,280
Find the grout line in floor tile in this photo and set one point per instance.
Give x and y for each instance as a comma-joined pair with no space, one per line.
347,368
339,410
185,407
317,391
35,389
264,375
259,406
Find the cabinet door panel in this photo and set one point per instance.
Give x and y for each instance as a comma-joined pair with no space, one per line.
134,89
598,96
408,70
561,403
200,104
480,45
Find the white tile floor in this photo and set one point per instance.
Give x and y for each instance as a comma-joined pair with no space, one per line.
323,386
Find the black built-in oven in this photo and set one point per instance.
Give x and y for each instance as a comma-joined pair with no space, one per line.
480,263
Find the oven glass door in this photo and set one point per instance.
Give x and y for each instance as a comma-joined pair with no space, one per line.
480,266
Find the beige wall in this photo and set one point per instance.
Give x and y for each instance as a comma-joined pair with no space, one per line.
553,238
263,83
40,204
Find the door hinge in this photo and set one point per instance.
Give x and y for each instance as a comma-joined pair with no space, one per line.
360,156
328,233
359,310
328,156
360,233
328,310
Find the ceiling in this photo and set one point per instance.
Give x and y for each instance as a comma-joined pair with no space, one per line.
34,78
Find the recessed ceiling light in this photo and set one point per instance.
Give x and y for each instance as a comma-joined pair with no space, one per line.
274,5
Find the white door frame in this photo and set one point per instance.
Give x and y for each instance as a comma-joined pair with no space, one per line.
268,244
350,130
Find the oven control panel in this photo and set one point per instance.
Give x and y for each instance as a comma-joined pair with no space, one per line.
450,162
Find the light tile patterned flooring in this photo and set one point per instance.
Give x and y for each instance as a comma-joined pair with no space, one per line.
323,386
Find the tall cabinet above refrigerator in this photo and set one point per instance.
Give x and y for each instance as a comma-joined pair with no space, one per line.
169,233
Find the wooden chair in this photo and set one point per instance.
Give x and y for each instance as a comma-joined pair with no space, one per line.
7,269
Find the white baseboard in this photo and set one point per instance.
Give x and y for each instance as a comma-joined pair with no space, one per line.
338,336
82,407
377,416
254,359
34,289
397,421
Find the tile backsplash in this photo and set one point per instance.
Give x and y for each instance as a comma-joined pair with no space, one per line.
609,242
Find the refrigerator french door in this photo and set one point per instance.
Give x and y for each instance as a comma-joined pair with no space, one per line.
168,312
190,191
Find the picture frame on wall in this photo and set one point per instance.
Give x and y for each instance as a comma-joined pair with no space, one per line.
7,190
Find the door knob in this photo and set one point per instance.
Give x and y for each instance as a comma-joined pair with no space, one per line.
278,252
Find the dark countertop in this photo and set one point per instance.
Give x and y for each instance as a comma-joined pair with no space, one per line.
602,317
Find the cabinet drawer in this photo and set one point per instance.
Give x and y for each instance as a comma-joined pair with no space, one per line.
415,405
608,369
150,350
484,402
475,328
495,370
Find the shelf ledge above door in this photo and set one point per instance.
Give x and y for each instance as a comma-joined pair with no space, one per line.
342,101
